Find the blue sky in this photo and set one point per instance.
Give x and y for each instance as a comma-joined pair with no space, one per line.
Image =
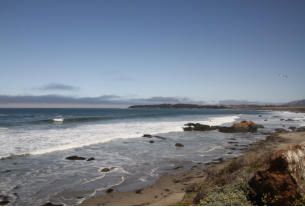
202,50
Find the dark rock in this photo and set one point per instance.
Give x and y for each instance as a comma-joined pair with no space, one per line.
52,204
4,200
147,135
301,129
226,129
105,169
230,142
151,141
75,158
280,130
266,120
2,203
6,171
179,145
283,181
139,191
289,120
259,115
292,128
178,167
109,190
282,119
91,159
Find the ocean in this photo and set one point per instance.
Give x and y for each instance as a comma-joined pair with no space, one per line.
35,142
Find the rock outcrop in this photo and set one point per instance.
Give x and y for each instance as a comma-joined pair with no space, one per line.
283,181
244,126
74,157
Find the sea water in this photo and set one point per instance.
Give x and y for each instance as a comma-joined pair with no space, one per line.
35,142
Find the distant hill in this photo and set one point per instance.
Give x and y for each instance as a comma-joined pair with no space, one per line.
296,103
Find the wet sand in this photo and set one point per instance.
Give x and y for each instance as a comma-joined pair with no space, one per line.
172,188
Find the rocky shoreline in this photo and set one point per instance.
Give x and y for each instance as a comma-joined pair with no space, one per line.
204,184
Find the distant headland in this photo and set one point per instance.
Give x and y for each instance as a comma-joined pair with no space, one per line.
289,107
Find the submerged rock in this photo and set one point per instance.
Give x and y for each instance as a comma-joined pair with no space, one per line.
179,145
106,169
292,128
75,158
301,129
289,120
91,159
109,190
147,135
283,181
151,141
280,130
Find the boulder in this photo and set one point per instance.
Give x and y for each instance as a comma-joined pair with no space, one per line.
282,182
179,145
244,126
151,141
147,135
75,158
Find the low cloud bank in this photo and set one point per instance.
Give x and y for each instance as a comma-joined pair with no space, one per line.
61,100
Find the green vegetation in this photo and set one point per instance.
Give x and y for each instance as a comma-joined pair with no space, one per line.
234,194
227,185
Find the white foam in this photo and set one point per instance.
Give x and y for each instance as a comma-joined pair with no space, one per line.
40,141
58,120
220,120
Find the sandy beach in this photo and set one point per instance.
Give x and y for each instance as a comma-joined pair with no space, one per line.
174,189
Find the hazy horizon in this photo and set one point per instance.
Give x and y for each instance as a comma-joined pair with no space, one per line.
120,53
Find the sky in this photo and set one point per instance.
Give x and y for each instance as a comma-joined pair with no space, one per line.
151,51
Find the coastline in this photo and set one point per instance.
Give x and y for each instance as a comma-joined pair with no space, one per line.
182,188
